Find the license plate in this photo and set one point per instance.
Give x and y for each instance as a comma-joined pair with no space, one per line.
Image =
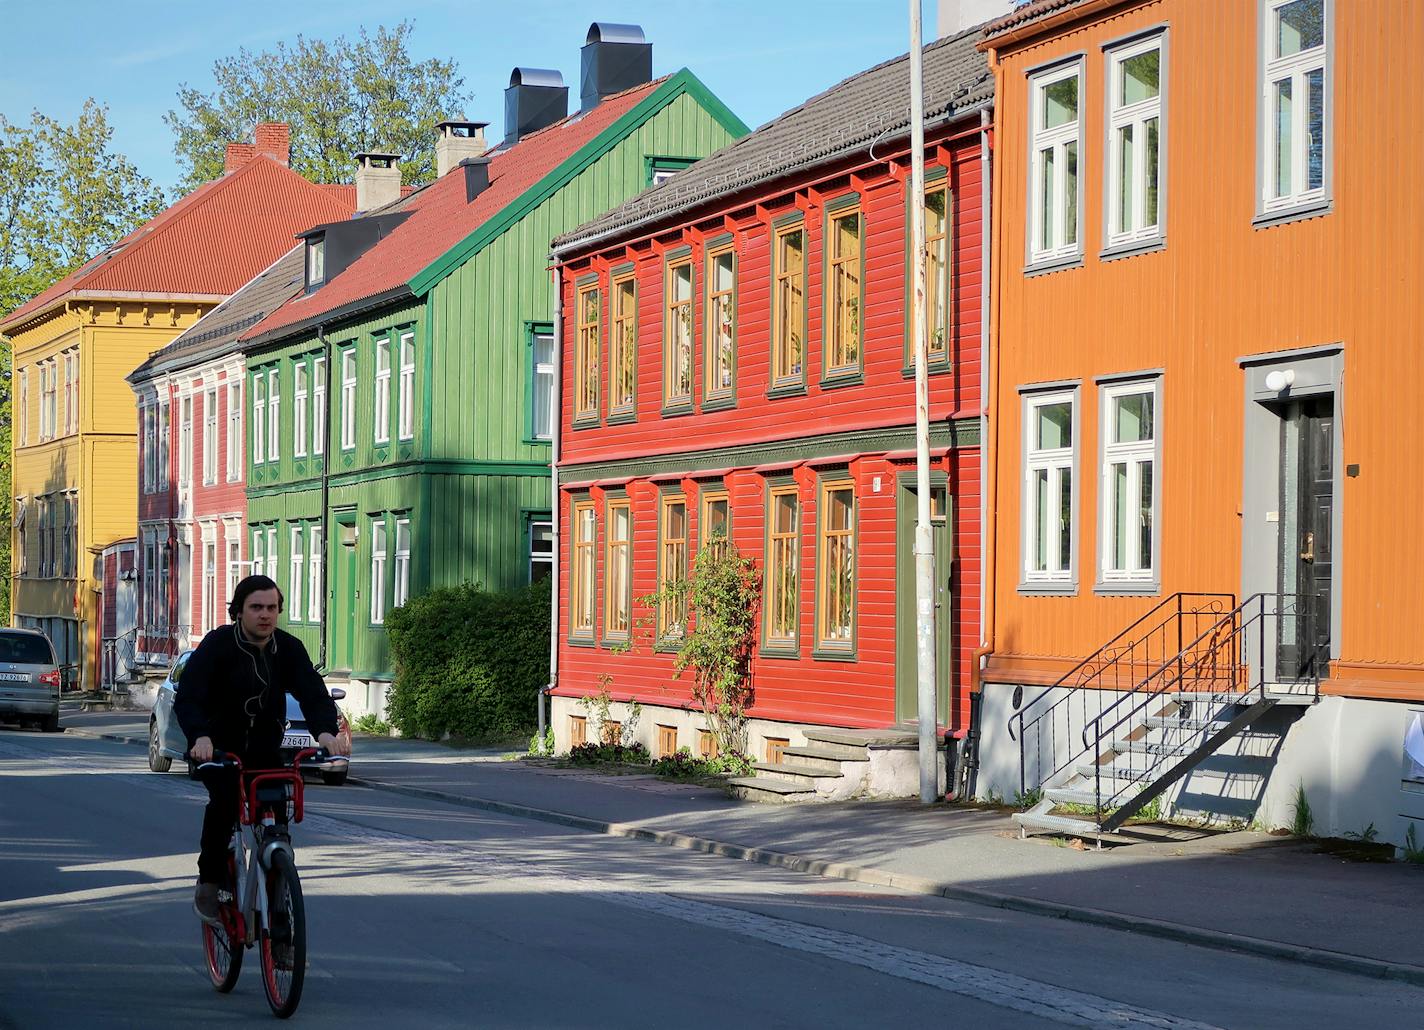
15,677
298,740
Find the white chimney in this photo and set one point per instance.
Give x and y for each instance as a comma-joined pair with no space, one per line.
378,180
957,15
457,141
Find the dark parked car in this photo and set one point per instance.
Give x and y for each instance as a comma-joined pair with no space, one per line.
166,741
29,679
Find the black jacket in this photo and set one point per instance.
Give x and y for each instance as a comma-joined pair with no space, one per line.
234,693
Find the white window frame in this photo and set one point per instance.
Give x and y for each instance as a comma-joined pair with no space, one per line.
379,546
1297,67
299,408
165,442
316,566
1135,116
318,443
348,399
1141,572
1059,138
232,545
208,570
185,439
210,436
148,419
295,574
402,562
381,431
545,558
544,373
274,415
259,418
234,430
24,419
272,552
258,551
19,550
405,414
71,391
1054,461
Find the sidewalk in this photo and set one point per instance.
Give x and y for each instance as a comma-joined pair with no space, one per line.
1239,891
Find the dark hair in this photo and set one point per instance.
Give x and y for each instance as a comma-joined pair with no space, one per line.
248,587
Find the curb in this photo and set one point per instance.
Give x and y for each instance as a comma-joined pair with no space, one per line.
1221,940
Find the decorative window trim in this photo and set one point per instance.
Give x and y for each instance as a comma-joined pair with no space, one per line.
405,388
210,435
656,164
848,374
1060,254
617,501
786,385
673,262
1300,202
300,392
320,401
1053,581
581,632
349,378
588,346
274,415
671,624
936,179
715,249
1129,581
835,480
296,571
1122,243
628,410
381,395
234,428
400,578
780,647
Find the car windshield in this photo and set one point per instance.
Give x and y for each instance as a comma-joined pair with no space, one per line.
25,649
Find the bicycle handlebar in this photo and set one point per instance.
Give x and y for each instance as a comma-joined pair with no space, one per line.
310,757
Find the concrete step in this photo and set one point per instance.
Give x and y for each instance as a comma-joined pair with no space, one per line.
769,791
825,757
825,746
888,737
790,772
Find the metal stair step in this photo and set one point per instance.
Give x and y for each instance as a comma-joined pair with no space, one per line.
1055,824
792,773
1148,747
1108,772
1167,722
1083,795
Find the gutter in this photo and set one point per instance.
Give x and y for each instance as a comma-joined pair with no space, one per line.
556,412
325,493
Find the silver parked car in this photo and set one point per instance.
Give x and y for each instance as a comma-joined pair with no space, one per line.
29,679
166,741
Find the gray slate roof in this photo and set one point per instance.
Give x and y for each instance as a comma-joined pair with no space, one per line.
847,118
216,334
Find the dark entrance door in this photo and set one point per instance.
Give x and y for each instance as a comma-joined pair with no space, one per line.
1307,506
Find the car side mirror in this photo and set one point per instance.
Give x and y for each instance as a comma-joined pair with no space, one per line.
337,693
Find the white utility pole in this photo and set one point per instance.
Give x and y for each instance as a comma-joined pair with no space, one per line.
924,538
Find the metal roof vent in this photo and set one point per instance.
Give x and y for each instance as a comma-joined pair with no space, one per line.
536,98
614,58
477,178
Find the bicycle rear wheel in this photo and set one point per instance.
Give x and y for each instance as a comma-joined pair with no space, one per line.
221,949
284,939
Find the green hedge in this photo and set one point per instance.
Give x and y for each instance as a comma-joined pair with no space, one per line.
468,662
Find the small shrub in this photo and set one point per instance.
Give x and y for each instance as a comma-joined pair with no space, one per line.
544,746
1366,836
1303,821
469,662
373,724
1412,851
1026,799
606,754
683,765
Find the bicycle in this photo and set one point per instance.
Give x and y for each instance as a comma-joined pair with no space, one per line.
272,920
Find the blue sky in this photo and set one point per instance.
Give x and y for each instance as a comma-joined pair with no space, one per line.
760,56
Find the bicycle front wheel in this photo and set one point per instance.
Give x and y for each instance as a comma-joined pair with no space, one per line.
221,946
284,939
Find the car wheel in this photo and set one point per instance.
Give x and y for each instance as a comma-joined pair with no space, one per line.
50,723
334,779
157,761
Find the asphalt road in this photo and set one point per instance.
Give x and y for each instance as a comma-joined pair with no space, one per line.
423,914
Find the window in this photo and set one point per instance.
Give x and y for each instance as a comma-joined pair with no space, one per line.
165,441
234,559
677,330
581,600
716,521
1048,488
1134,143
1128,497
618,570
259,419
234,430
541,340
586,355
1295,103
185,440
318,443
149,418
24,417
299,409
162,616
719,377
541,550
70,562
937,327
789,301
210,578
21,551
1053,189
348,399
402,571
272,553
672,565
382,406
378,570
623,348
316,262
667,740
843,293
295,576
48,389
578,730
661,169
258,551
274,416
147,600
835,566
210,436
405,404
781,605
71,392
316,563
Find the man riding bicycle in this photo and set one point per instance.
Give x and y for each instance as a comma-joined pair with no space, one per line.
232,698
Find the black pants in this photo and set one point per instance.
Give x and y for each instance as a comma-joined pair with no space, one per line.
220,817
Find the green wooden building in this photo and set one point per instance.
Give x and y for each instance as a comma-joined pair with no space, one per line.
401,406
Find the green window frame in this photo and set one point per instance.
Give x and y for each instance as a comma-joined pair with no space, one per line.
588,318
843,289
618,561
679,321
781,583
836,572
623,345
719,331
673,539
939,273
658,168
583,569
714,515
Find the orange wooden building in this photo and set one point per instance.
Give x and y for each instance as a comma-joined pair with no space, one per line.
1205,293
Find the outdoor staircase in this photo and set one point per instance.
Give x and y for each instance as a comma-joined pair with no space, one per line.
1124,726
833,765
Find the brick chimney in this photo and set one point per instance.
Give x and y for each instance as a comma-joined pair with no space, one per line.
275,140
238,154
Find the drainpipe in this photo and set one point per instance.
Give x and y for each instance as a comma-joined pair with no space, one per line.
325,492
556,413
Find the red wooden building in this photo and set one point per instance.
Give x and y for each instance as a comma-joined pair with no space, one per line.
735,361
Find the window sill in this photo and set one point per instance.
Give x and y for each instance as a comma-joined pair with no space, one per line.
1284,216
787,390
936,368
585,423
782,651
1146,587
536,442
613,643
718,403
621,418
1051,265
822,654
668,645
582,642
1048,588
1127,250
835,380
677,410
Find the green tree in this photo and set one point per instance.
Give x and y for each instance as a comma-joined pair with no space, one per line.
340,97
65,195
